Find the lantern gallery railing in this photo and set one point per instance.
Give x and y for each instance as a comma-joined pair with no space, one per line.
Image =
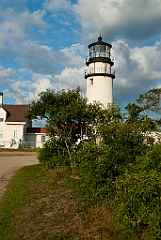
96,70
100,55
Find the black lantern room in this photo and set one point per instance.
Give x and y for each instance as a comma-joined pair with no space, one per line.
99,51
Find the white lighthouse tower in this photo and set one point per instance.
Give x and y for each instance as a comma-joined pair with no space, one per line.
98,74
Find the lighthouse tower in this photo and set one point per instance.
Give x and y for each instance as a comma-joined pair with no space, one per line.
98,74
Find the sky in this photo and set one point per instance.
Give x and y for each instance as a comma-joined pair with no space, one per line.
44,44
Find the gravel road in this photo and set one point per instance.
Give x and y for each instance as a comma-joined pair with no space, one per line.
10,162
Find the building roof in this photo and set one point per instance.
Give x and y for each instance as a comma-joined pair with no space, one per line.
36,130
15,113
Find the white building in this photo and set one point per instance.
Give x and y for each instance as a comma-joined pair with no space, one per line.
35,136
99,76
15,130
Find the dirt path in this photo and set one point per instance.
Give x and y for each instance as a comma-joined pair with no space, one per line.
10,162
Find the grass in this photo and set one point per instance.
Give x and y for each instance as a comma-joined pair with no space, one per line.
39,204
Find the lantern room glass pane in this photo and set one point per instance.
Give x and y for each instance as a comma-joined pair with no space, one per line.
99,51
102,48
92,52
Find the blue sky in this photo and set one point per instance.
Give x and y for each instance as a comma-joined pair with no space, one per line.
43,44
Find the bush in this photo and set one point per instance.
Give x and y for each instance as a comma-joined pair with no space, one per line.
90,164
50,157
124,141
98,166
137,201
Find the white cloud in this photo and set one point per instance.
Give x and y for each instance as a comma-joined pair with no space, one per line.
5,73
20,96
74,55
133,19
35,18
137,70
148,59
14,24
70,78
58,5
24,91
11,28
15,27
43,59
39,58
41,83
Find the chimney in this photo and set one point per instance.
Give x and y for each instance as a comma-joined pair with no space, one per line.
1,98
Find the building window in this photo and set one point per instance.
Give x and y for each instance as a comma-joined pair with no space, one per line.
43,138
1,134
1,119
15,134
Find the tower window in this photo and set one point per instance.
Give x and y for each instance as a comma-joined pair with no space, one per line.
91,81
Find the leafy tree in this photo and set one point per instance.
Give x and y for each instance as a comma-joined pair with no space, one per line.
67,114
148,102
151,100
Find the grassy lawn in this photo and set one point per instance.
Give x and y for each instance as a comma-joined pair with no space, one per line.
39,204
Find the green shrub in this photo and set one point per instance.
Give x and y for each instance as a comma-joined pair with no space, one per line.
124,141
90,164
152,159
50,157
98,166
137,200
